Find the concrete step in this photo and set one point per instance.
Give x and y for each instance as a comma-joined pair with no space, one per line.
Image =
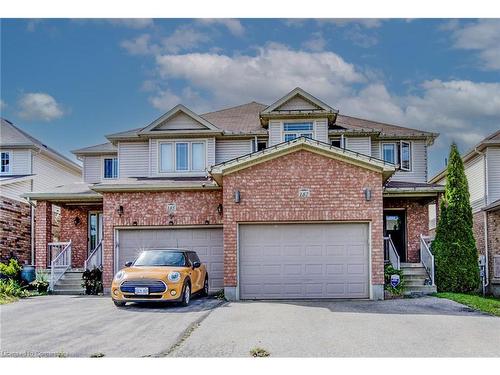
414,282
411,265
420,290
71,292
414,272
72,276
68,286
414,276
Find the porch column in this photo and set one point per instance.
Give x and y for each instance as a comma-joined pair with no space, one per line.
43,232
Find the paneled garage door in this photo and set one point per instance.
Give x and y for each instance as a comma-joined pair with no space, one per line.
207,242
284,261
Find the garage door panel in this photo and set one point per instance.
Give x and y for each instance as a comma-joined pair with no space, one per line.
282,261
207,242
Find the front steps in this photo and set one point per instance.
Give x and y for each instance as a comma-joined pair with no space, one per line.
415,277
70,283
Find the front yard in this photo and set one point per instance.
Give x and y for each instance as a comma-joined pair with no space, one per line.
488,305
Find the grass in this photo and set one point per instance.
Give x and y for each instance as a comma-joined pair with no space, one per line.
259,352
4,299
488,305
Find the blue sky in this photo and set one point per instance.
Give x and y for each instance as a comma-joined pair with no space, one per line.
70,82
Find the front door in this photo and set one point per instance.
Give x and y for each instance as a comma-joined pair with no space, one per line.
395,226
95,230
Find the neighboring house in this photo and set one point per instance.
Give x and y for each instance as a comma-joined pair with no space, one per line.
26,165
482,168
290,200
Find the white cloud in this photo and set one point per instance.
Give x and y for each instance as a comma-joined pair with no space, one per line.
39,106
139,45
3,105
316,43
132,23
482,36
184,38
165,100
369,23
233,25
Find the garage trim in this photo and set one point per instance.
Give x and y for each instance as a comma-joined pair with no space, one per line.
238,257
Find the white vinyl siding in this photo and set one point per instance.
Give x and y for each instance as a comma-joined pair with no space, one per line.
49,173
181,121
493,162
418,171
474,170
296,103
19,161
133,159
15,190
375,149
277,133
358,144
321,130
92,169
227,149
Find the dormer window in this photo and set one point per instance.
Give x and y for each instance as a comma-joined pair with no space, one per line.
110,167
5,162
294,130
182,157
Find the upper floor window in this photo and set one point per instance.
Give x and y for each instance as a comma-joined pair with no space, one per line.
398,152
5,162
110,167
297,129
182,156
337,141
258,145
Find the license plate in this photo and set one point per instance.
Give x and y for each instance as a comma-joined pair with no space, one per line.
141,291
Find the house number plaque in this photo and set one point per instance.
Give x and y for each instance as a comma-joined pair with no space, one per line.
304,193
171,208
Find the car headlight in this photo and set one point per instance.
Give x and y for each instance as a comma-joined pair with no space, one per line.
174,276
119,275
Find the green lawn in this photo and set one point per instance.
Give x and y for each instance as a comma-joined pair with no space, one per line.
488,305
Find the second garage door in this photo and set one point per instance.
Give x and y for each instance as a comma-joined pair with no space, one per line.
207,242
285,261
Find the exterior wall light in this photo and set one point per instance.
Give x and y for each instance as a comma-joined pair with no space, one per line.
219,209
207,222
170,222
119,210
237,196
76,220
368,194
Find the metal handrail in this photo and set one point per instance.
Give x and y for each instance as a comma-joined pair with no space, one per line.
392,253
60,264
426,257
95,257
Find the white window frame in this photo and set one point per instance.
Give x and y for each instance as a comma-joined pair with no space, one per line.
342,140
297,133
103,166
9,153
394,144
410,164
190,156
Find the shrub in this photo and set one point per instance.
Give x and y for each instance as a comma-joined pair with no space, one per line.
11,270
41,282
11,288
389,270
92,281
454,247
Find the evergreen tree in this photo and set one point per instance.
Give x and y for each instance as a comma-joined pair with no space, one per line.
454,247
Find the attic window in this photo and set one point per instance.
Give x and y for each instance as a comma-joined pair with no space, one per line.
5,162
297,129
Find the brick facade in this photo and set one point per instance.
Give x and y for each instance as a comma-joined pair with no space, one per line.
43,232
494,244
77,233
150,209
478,221
417,223
269,193
15,231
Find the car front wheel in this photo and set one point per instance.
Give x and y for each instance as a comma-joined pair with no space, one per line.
204,291
186,295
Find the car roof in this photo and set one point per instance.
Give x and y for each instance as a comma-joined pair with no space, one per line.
171,249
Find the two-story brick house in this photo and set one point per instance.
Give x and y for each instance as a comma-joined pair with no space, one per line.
288,200
482,168
27,165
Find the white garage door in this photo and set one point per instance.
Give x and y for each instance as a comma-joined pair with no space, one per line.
285,261
207,242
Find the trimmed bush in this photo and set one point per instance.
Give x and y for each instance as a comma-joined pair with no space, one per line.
454,247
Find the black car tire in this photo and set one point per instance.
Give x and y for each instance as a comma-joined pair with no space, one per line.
204,291
119,303
186,294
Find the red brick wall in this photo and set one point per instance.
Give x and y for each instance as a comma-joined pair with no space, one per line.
269,192
15,230
150,209
493,241
43,232
478,230
78,234
417,223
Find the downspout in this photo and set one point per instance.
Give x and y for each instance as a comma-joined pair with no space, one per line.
485,217
32,230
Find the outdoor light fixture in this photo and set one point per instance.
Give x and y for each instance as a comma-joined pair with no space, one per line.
119,210
207,222
368,194
237,196
134,223
170,222
76,220
219,209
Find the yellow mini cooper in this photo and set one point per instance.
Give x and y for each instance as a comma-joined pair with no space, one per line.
160,275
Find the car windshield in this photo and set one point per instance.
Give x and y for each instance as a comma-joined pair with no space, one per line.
161,258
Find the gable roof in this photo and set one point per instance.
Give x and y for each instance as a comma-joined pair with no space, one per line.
173,112
97,149
301,143
490,140
13,137
321,106
240,119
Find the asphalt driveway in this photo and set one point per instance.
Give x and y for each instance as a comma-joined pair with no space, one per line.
80,326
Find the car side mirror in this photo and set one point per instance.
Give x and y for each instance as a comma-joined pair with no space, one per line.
196,265
128,264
